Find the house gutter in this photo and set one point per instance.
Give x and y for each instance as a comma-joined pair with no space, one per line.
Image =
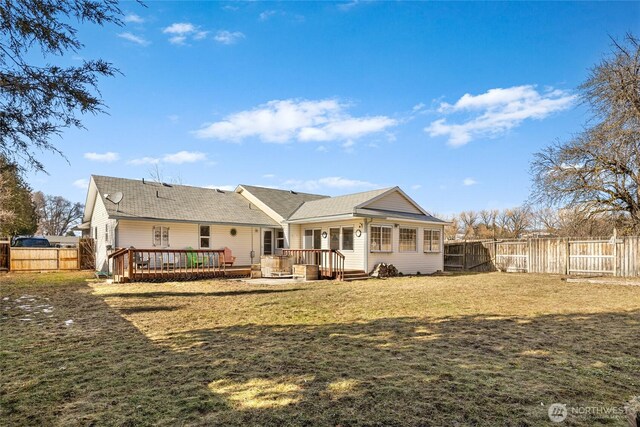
195,221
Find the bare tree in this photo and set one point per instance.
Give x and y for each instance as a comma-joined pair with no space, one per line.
156,173
469,220
56,215
40,94
518,220
598,171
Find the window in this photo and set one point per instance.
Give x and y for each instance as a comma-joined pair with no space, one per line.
95,233
205,236
408,241
347,238
432,240
334,238
280,239
267,248
160,236
381,238
106,233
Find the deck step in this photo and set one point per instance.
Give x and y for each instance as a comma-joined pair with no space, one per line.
351,275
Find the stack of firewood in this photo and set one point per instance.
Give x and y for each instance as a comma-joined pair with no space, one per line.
384,270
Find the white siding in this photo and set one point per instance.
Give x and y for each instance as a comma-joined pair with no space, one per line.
100,221
183,235
295,236
394,202
354,260
409,262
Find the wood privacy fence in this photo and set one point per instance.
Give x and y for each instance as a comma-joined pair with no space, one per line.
615,256
19,259
44,259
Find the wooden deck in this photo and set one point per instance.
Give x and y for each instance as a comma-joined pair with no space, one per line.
161,275
142,265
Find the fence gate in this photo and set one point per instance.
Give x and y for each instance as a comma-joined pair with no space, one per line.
469,256
591,257
87,253
512,256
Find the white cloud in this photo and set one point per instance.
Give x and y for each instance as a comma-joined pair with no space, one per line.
102,157
184,157
496,111
81,183
469,181
418,107
322,149
282,121
327,182
144,161
416,186
181,31
348,146
177,39
176,158
180,28
267,14
228,37
348,5
134,39
133,18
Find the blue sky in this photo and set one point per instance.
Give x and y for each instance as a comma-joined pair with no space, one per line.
447,100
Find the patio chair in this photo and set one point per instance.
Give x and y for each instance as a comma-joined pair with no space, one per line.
192,259
229,259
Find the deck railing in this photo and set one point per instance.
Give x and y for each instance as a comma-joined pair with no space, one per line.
329,261
132,264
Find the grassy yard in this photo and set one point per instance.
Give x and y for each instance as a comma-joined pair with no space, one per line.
489,349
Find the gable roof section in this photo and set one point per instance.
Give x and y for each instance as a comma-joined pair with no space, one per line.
333,206
178,203
362,205
282,202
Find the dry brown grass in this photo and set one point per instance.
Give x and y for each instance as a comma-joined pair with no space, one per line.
489,349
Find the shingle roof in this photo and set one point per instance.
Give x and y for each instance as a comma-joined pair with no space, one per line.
335,205
283,202
179,203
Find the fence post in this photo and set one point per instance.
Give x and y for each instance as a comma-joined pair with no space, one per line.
529,255
567,257
615,252
464,256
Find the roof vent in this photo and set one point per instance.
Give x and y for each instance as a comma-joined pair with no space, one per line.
157,193
166,185
143,181
292,192
219,190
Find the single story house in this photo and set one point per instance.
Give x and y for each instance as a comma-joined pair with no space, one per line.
367,228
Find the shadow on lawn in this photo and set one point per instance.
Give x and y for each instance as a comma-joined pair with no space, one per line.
390,371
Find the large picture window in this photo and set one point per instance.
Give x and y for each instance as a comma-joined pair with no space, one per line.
432,241
381,238
205,236
408,240
160,236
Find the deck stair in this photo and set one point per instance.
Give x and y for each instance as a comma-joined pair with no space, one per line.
351,275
